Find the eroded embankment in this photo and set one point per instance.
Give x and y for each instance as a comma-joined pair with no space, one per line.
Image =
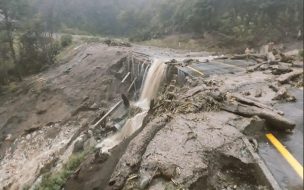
47,112
194,138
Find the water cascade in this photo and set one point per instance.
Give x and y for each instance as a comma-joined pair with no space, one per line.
151,83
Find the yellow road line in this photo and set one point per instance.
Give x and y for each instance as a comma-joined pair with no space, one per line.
227,64
284,152
195,70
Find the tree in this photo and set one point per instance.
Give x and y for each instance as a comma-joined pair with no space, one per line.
26,39
12,10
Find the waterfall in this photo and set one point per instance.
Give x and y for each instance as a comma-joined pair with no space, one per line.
142,68
152,81
144,77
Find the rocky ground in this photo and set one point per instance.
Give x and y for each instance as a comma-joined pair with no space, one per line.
197,135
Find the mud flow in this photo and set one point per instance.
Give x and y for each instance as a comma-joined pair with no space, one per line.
115,117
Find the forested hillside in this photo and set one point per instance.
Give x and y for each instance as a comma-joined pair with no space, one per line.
241,19
26,26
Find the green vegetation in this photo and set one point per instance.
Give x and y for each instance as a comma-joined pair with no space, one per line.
27,26
301,53
91,39
66,40
27,45
243,21
55,181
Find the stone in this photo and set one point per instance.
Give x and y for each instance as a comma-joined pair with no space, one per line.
264,67
78,145
270,57
100,157
171,88
8,137
246,93
283,94
68,70
280,69
94,106
144,181
258,93
28,137
168,171
256,125
90,132
41,111
291,99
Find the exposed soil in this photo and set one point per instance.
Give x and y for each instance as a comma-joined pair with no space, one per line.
193,137
50,104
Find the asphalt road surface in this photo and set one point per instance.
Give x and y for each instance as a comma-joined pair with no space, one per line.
293,142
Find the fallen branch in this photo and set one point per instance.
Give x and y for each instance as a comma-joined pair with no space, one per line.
249,56
250,102
107,114
129,162
273,119
285,78
194,91
131,85
274,87
255,67
221,57
280,69
125,78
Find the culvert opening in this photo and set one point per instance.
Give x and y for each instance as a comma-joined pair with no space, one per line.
143,78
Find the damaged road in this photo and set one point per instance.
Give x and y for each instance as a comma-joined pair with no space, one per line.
194,122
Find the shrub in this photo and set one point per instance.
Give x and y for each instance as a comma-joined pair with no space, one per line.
301,53
91,39
6,66
55,181
36,51
66,40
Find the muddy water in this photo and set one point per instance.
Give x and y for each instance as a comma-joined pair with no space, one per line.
153,80
152,83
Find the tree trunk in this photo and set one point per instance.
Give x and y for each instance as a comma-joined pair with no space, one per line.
9,32
285,78
272,118
130,161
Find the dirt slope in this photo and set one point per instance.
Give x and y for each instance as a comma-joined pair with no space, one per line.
39,118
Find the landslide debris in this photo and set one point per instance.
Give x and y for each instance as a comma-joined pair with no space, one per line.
47,113
193,137
202,145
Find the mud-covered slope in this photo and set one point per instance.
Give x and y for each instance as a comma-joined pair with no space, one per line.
38,119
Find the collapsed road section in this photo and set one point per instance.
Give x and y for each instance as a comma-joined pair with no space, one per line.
172,121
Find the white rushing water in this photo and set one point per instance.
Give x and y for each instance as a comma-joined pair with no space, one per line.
151,84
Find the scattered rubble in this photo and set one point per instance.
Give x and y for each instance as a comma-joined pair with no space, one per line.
282,94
